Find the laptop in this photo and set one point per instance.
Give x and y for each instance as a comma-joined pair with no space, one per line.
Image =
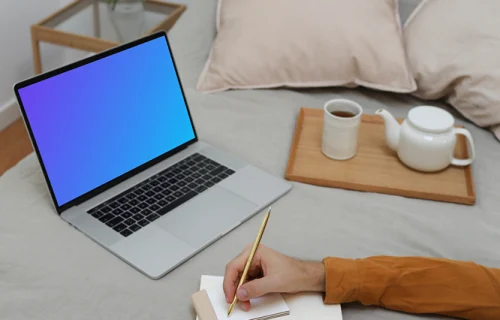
123,163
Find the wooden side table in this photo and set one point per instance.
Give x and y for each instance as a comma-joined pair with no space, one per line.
65,27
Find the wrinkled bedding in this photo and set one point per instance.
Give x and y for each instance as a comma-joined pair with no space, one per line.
48,270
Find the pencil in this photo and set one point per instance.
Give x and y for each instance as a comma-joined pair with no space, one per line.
250,258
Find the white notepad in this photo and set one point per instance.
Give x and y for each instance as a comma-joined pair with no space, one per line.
270,306
303,306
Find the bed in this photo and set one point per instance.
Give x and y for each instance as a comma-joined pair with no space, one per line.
48,270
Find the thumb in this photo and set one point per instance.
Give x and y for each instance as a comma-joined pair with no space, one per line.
257,288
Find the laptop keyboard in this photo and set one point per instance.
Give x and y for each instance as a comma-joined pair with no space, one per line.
147,201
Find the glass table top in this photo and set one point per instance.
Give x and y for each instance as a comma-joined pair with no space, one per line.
127,21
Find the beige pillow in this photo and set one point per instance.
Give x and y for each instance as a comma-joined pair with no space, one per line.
297,43
454,50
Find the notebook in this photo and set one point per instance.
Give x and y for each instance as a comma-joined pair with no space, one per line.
268,307
301,306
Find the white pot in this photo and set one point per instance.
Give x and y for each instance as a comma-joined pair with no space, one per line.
128,19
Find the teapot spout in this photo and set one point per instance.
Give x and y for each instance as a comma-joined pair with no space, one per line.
391,129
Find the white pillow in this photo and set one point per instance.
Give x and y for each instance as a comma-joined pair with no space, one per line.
297,43
454,51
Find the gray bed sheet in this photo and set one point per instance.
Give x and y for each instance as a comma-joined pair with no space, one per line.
48,270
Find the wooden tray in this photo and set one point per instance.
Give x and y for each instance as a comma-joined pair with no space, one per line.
375,168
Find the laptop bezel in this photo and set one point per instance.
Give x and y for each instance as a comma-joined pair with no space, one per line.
92,193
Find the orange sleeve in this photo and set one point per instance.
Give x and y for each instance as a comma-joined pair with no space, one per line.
416,285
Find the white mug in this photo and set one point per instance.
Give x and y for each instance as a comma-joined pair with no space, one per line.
340,131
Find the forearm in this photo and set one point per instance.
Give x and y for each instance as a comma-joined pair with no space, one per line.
312,276
416,285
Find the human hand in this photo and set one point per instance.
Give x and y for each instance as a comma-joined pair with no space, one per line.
270,272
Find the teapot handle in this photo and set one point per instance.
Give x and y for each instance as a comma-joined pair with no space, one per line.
464,162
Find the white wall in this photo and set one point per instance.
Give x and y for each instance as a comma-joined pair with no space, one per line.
16,60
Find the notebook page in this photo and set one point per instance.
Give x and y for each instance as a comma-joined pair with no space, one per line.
208,282
267,307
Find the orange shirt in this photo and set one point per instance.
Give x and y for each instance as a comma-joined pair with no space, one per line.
416,285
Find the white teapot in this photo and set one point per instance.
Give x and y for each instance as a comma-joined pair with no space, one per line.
425,141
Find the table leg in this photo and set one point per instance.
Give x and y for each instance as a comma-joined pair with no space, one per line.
37,60
97,21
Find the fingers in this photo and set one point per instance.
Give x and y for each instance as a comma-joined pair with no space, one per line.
229,285
231,276
258,287
233,271
244,305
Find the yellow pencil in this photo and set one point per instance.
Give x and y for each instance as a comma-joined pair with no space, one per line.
250,258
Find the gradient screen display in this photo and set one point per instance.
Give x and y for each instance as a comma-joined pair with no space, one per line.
101,120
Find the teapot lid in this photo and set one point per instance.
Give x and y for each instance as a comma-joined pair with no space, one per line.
431,119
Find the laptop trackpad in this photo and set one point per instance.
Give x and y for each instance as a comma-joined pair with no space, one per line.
207,216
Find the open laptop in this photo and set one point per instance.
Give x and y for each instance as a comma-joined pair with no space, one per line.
121,158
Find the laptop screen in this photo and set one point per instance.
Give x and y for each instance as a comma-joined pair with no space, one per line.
96,122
